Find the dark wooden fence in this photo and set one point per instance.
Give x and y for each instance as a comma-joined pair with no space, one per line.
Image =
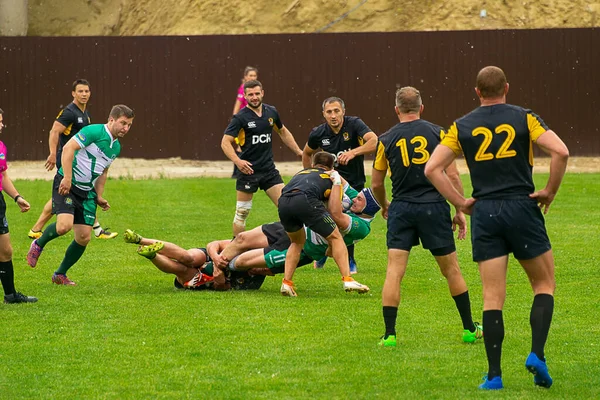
183,88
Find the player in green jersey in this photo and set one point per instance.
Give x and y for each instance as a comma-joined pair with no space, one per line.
79,185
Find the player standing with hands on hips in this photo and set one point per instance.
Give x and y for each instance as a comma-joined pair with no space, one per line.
497,142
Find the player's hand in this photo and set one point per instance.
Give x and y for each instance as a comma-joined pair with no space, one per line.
65,187
23,204
335,177
220,261
467,206
50,162
544,198
345,158
245,167
460,221
384,212
102,203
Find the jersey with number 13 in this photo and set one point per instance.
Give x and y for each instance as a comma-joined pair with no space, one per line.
405,149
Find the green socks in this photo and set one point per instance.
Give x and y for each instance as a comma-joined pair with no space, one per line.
73,254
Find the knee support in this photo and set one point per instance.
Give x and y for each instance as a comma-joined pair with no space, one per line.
242,209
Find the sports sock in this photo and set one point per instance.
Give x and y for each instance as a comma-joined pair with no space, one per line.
97,230
7,276
463,304
389,318
208,268
493,338
73,254
351,252
540,318
48,235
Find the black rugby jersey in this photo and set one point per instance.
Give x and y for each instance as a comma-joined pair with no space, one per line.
313,182
255,135
405,148
497,142
73,119
349,137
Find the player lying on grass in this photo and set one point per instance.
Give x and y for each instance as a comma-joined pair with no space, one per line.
255,253
193,268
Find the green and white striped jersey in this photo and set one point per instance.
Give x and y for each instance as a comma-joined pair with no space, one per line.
98,151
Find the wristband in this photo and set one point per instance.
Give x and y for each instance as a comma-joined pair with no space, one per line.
17,197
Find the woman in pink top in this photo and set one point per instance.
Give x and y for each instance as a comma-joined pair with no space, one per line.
250,73
7,275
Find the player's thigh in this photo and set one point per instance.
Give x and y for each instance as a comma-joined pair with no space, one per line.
247,184
435,227
526,230
287,210
540,271
488,231
401,227
272,183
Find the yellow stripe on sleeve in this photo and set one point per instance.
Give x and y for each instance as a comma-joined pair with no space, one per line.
450,139
535,128
241,137
381,162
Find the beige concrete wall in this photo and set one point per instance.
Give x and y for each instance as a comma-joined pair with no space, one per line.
13,17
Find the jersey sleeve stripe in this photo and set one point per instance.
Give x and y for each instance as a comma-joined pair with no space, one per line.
381,162
536,129
450,140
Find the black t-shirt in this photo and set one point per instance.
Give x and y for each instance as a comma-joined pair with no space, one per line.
74,120
349,137
497,142
254,135
405,149
313,182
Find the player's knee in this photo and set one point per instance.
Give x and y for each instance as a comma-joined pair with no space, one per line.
242,209
6,253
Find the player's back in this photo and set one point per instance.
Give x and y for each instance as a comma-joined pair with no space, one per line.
497,144
405,149
313,182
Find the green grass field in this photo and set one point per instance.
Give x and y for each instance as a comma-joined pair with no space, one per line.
125,333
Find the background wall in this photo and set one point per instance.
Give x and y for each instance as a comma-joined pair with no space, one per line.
183,88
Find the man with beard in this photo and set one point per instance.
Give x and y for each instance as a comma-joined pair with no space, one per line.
253,127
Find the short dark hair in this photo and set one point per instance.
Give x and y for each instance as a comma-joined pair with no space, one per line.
81,82
121,110
324,159
491,82
408,100
333,99
249,69
252,84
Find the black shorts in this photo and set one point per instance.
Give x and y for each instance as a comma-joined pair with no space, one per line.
296,210
3,220
251,183
276,236
500,227
79,203
428,222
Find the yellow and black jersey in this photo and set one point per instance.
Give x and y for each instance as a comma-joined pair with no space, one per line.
497,142
313,182
350,136
404,150
74,120
254,135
